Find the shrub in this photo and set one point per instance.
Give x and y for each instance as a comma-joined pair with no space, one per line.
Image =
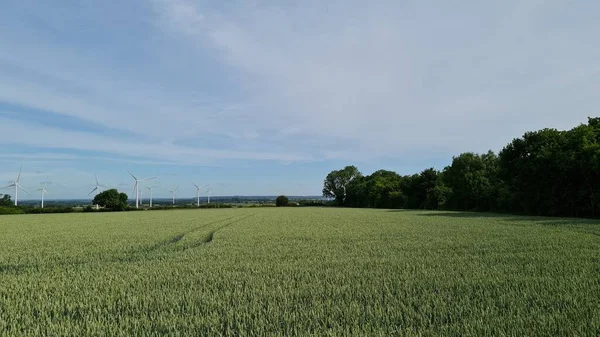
11,210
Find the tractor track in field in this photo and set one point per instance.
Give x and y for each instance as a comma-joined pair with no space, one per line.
176,238
145,253
210,236
164,246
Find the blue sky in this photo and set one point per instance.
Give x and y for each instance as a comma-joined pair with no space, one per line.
267,97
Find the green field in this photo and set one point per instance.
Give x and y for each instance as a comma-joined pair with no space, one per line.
298,271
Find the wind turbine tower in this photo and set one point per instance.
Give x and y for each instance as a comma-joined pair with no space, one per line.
43,191
136,188
17,186
197,194
208,195
174,192
150,189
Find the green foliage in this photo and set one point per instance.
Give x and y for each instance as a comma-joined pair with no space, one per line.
388,189
5,200
47,210
5,210
313,203
546,172
282,200
112,200
473,181
550,172
335,272
336,183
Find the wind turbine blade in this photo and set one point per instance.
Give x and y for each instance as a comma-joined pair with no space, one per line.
24,190
94,190
131,174
176,188
19,176
196,186
96,179
149,179
46,192
149,188
12,185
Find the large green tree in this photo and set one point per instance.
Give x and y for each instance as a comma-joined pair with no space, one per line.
5,200
282,201
473,180
336,183
111,199
535,168
551,172
383,190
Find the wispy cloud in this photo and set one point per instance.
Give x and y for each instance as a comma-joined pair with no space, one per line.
393,76
19,133
273,86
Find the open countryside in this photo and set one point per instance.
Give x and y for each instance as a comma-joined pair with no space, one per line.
297,272
300,168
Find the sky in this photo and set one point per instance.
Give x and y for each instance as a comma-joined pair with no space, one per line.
266,97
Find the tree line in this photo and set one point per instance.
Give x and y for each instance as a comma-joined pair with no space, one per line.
545,172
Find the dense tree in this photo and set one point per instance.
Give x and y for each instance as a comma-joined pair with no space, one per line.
336,183
545,172
431,185
551,172
388,189
282,200
380,189
112,200
473,180
5,200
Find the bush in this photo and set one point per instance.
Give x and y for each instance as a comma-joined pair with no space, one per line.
11,210
57,209
282,200
312,203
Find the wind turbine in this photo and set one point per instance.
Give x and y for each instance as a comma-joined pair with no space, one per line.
96,189
174,193
17,186
198,193
43,191
136,188
150,189
208,194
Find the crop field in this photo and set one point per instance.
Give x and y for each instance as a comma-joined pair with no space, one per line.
298,271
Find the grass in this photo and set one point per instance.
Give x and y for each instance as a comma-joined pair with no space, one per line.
298,271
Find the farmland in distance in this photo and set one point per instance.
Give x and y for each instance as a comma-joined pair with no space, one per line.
298,271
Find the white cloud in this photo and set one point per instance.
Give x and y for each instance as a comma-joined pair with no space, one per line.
389,77
311,80
46,137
